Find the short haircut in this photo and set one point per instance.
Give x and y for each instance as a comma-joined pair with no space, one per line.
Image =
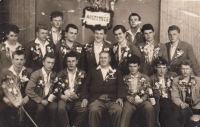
71,26
41,26
117,27
12,28
174,27
49,55
159,61
134,59
71,54
186,62
99,27
105,52
18,52
134,14
55,14
147,27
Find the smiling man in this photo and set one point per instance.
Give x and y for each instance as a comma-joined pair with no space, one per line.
92,50
150,49
102,90
123,49
179,50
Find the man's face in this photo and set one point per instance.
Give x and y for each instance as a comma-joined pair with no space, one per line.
173,36
12,37
99,36
133,68
57,22
71,34
120,36
48,63
71,63
149,35
161,70
104,59
42,34
18,61
186,70
134,21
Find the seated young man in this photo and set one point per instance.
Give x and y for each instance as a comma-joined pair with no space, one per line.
69,104
39,88
137,97
20,75
186,95
161,82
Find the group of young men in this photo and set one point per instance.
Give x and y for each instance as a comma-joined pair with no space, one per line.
136,80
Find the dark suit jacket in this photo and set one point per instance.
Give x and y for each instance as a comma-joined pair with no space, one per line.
174,64
62,34
37,93
94,86
146,68
122,66
5,73
136,40
36,64
61,56
89,57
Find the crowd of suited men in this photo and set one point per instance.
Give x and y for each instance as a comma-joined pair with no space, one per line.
134,81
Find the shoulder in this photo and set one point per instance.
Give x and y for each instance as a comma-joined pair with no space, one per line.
173,74
30,43
4,70
176,79
78,44
36,73
29,70
144,76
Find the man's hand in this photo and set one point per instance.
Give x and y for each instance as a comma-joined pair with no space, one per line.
130,99
65,98
84,103
184,105
44,102
138,101
120,101
73,96
195,118
25,100
7,101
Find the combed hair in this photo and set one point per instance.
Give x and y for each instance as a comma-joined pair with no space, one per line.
71,26
117,27
134,14
12,28
174,27
99,27
159,61
134,59
147,27
70,54
49,55
18,52
41,26
55,14
186,62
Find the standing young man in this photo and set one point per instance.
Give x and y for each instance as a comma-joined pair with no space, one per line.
56,34
134,34
178,51
36,50
68,45
123,49
91,50
9,46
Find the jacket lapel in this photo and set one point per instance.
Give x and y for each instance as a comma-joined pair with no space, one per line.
168,51
99,73
178,46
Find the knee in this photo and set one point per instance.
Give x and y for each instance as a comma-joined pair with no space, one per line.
94,109
148,106
117,109
40,108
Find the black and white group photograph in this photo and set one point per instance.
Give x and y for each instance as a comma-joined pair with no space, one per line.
99,63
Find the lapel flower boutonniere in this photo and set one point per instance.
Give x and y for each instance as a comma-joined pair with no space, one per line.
79,49
142,81
41,82
192,82
179,53
88,48
115,47
156,51
49,49
110,74
64,50
106,49
3,47
36,49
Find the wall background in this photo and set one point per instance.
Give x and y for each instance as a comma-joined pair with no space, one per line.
148,10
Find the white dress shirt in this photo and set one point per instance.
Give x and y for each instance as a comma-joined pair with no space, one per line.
55,36
134,83
133,35
97,50
72,77
11,48
150,51
46,81
104,71
173,49
42,47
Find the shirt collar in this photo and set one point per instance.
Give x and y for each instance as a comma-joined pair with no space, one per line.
70,71
135,76
44,72
125,44
138,31
99,67
37,41
13,71
7,44
174,44
54,30
95,43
